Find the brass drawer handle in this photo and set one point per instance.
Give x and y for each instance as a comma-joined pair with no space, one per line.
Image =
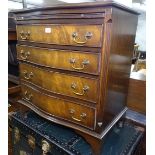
76,39
78,120
24,55
83,115
25,35
84,63
45,147
84,90
28,96
31,141
26,75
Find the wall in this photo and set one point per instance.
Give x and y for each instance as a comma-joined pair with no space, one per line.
141,31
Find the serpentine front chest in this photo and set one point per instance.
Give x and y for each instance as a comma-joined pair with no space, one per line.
75,64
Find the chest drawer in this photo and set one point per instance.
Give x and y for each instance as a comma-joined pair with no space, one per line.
76,35
64,109
60,83
61,59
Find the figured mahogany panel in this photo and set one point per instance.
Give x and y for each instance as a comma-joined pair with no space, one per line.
63,109
60,83
62,59
137,95
77,35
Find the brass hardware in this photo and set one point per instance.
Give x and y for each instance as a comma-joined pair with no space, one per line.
31,141
26,75
76,119
121,124
99,124
84,63
84,90
87,36
24,55
28,96
22,152
72,112
45,147
16,135
25,35
83,115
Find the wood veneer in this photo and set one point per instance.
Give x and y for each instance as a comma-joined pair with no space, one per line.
43,57
111,32
82,115
136,99
61,34
61,83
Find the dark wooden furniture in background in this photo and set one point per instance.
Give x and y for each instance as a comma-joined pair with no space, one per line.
13,81
75,64
136,102
14,91
12,34
12,41
137,92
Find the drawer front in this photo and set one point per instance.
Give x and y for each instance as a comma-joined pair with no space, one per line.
73,112
61,59
76,35
60,83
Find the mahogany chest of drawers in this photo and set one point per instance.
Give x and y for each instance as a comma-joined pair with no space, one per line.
75,63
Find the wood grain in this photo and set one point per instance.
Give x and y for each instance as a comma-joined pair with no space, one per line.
51,105
62,34
60,83
137,95
12,36
60,59
113,39
13,88
120,29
